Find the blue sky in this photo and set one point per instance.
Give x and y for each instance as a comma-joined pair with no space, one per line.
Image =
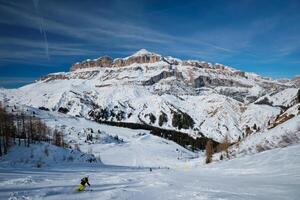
39,36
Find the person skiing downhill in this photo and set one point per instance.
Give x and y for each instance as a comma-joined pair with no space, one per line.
84,180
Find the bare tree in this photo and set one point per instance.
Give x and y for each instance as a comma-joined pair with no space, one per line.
29,131
209,151
58,138
18,128
6,129
26,128
191,77
224,145
23,133
1,128
38,130
0,147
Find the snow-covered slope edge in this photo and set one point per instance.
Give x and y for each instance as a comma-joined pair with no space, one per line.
42,155
283,135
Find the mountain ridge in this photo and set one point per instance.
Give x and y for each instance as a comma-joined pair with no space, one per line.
188,96
145,56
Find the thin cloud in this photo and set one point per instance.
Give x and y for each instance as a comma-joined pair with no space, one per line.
101,30
73,31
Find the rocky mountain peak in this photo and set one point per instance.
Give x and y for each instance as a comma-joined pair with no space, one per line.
104,61
142,52
296,81
141,56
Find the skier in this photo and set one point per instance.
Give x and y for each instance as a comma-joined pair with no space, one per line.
84,180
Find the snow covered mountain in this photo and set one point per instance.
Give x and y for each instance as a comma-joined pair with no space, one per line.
190,96
199,99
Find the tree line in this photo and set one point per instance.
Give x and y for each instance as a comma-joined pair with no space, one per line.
183,139
20,128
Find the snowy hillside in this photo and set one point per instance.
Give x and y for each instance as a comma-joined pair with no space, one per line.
137,126
139,165
46,155
195,97
271,175
90,140
284,134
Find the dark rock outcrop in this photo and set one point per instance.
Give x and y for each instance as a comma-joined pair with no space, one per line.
196,63
51,77
163,75
202,81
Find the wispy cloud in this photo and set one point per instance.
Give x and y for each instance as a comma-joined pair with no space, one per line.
19,48
94,29
69,30
41,26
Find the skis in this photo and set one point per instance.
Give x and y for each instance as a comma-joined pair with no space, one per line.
85,190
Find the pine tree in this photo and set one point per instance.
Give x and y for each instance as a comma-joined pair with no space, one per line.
248,130
221,157
254,127
239,139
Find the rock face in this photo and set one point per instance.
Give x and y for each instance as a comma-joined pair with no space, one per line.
195,63
147,58
51,77
163,75
142,56
202,81
192,73
104,61
296,81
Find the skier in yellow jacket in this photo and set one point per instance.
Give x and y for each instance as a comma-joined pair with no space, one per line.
84,180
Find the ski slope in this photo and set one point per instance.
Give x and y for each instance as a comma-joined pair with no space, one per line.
270,175
125,173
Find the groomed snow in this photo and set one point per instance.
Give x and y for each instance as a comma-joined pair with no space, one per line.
271,175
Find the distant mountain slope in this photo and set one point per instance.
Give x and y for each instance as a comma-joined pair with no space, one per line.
195,97
283,135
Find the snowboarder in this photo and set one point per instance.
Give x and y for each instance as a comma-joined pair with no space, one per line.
84,180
